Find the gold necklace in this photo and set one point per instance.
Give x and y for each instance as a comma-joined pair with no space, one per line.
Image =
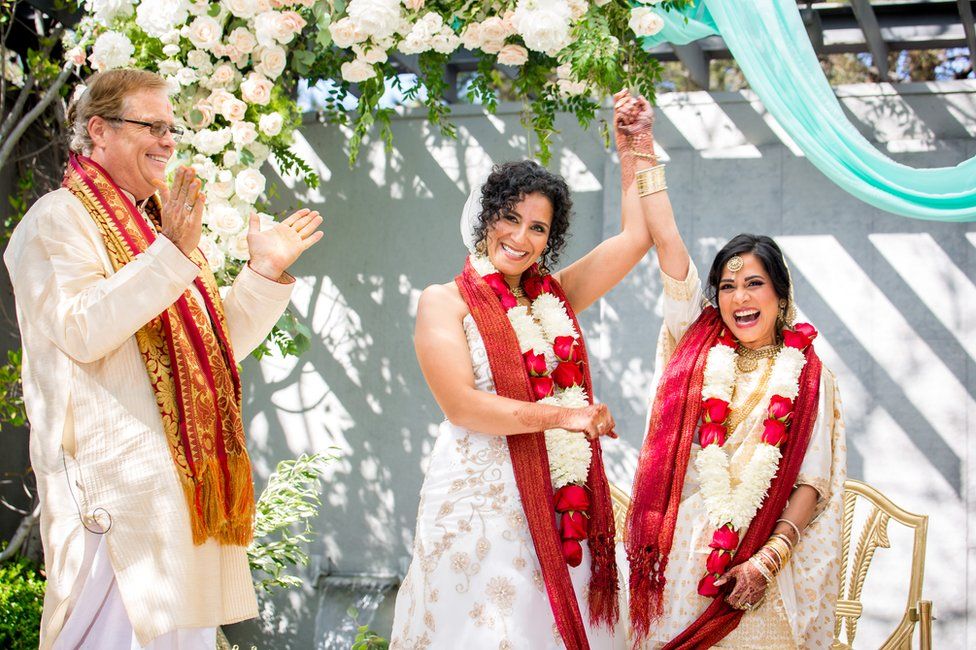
747,360
518,292
736,416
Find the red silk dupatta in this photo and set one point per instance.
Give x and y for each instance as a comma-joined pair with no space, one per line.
530,463
191,368
660,477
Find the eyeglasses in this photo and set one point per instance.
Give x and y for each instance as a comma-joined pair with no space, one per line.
157,129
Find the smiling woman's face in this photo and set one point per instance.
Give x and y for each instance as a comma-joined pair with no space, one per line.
748,303
519,236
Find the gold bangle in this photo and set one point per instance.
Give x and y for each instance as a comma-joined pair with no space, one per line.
786,540
645,156
651,181
796,529
761,568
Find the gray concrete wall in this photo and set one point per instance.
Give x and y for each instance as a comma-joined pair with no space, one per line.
893,299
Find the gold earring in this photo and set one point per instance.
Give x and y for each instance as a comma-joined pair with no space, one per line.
781,316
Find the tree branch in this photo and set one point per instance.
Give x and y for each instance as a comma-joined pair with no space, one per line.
21,534
10,141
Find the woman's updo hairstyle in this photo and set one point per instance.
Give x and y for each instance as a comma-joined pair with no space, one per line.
508,184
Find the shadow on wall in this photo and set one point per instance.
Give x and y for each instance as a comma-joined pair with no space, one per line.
893,299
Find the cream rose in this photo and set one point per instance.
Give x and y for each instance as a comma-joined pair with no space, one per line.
215,256
204,32
223,186
271,61
249,185
224,219
242,40
271,124
199,60
242,8
414,5
346,33
111,50
233,109
378,18
237,246
644,21
244,133
513,54
290,23
357,70
224,75
256,89
211,141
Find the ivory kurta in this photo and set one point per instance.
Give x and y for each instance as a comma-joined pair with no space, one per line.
87,391
798,609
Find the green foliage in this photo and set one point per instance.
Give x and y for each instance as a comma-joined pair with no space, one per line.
11,392
366,639
21,598
281,524
291,336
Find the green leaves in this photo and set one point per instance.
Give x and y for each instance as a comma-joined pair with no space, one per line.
21,597
281,522
12,392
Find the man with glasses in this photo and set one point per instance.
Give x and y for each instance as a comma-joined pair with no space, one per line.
131,385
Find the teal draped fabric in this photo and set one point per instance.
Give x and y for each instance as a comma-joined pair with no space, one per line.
770,44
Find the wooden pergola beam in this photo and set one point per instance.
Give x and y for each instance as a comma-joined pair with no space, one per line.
868,22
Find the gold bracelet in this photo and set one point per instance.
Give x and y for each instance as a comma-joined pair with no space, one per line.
651,181
645,156
754,561
786,540
796,529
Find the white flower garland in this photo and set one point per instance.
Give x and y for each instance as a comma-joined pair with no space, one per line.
569,451
723,503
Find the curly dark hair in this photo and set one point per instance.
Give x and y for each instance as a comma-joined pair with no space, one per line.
770,256
509,183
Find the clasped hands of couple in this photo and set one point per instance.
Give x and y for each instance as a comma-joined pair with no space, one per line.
271,250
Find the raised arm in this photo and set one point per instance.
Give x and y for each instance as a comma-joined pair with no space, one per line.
587,279
442,351
655,206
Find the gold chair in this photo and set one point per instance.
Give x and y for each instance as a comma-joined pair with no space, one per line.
854,569
620,501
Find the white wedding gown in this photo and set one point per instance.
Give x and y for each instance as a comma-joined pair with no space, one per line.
475,582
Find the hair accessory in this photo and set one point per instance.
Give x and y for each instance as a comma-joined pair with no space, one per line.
734,264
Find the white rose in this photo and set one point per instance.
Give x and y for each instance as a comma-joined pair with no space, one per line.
267,27
111,50
543,24
271,124
204,32
577,9
198,7
249,185
172,50
224,219
272,61
445,42
105,11
231,158
217,98
205,168
471,36
644,21
244,133
260,151
172,37
346,33
224,76
414,5
223,186
513,54
493,32
233,109
186,76
290,24
215,256
372,56
256,89
199,60
357,70
158,17
168,67
242,40
237,246
414,44
242,8
378,18
211,141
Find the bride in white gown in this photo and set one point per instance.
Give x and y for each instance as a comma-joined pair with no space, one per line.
493,567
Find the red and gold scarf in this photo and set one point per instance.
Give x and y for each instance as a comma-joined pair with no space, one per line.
660,477
530,463
191,368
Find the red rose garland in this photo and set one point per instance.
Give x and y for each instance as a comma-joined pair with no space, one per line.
731,510
572,502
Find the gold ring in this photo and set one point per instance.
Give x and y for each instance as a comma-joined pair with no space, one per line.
187,206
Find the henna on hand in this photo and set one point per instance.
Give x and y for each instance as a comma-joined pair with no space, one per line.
633,132
750,585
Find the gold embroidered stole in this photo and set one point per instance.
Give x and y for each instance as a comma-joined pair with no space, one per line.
191,368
